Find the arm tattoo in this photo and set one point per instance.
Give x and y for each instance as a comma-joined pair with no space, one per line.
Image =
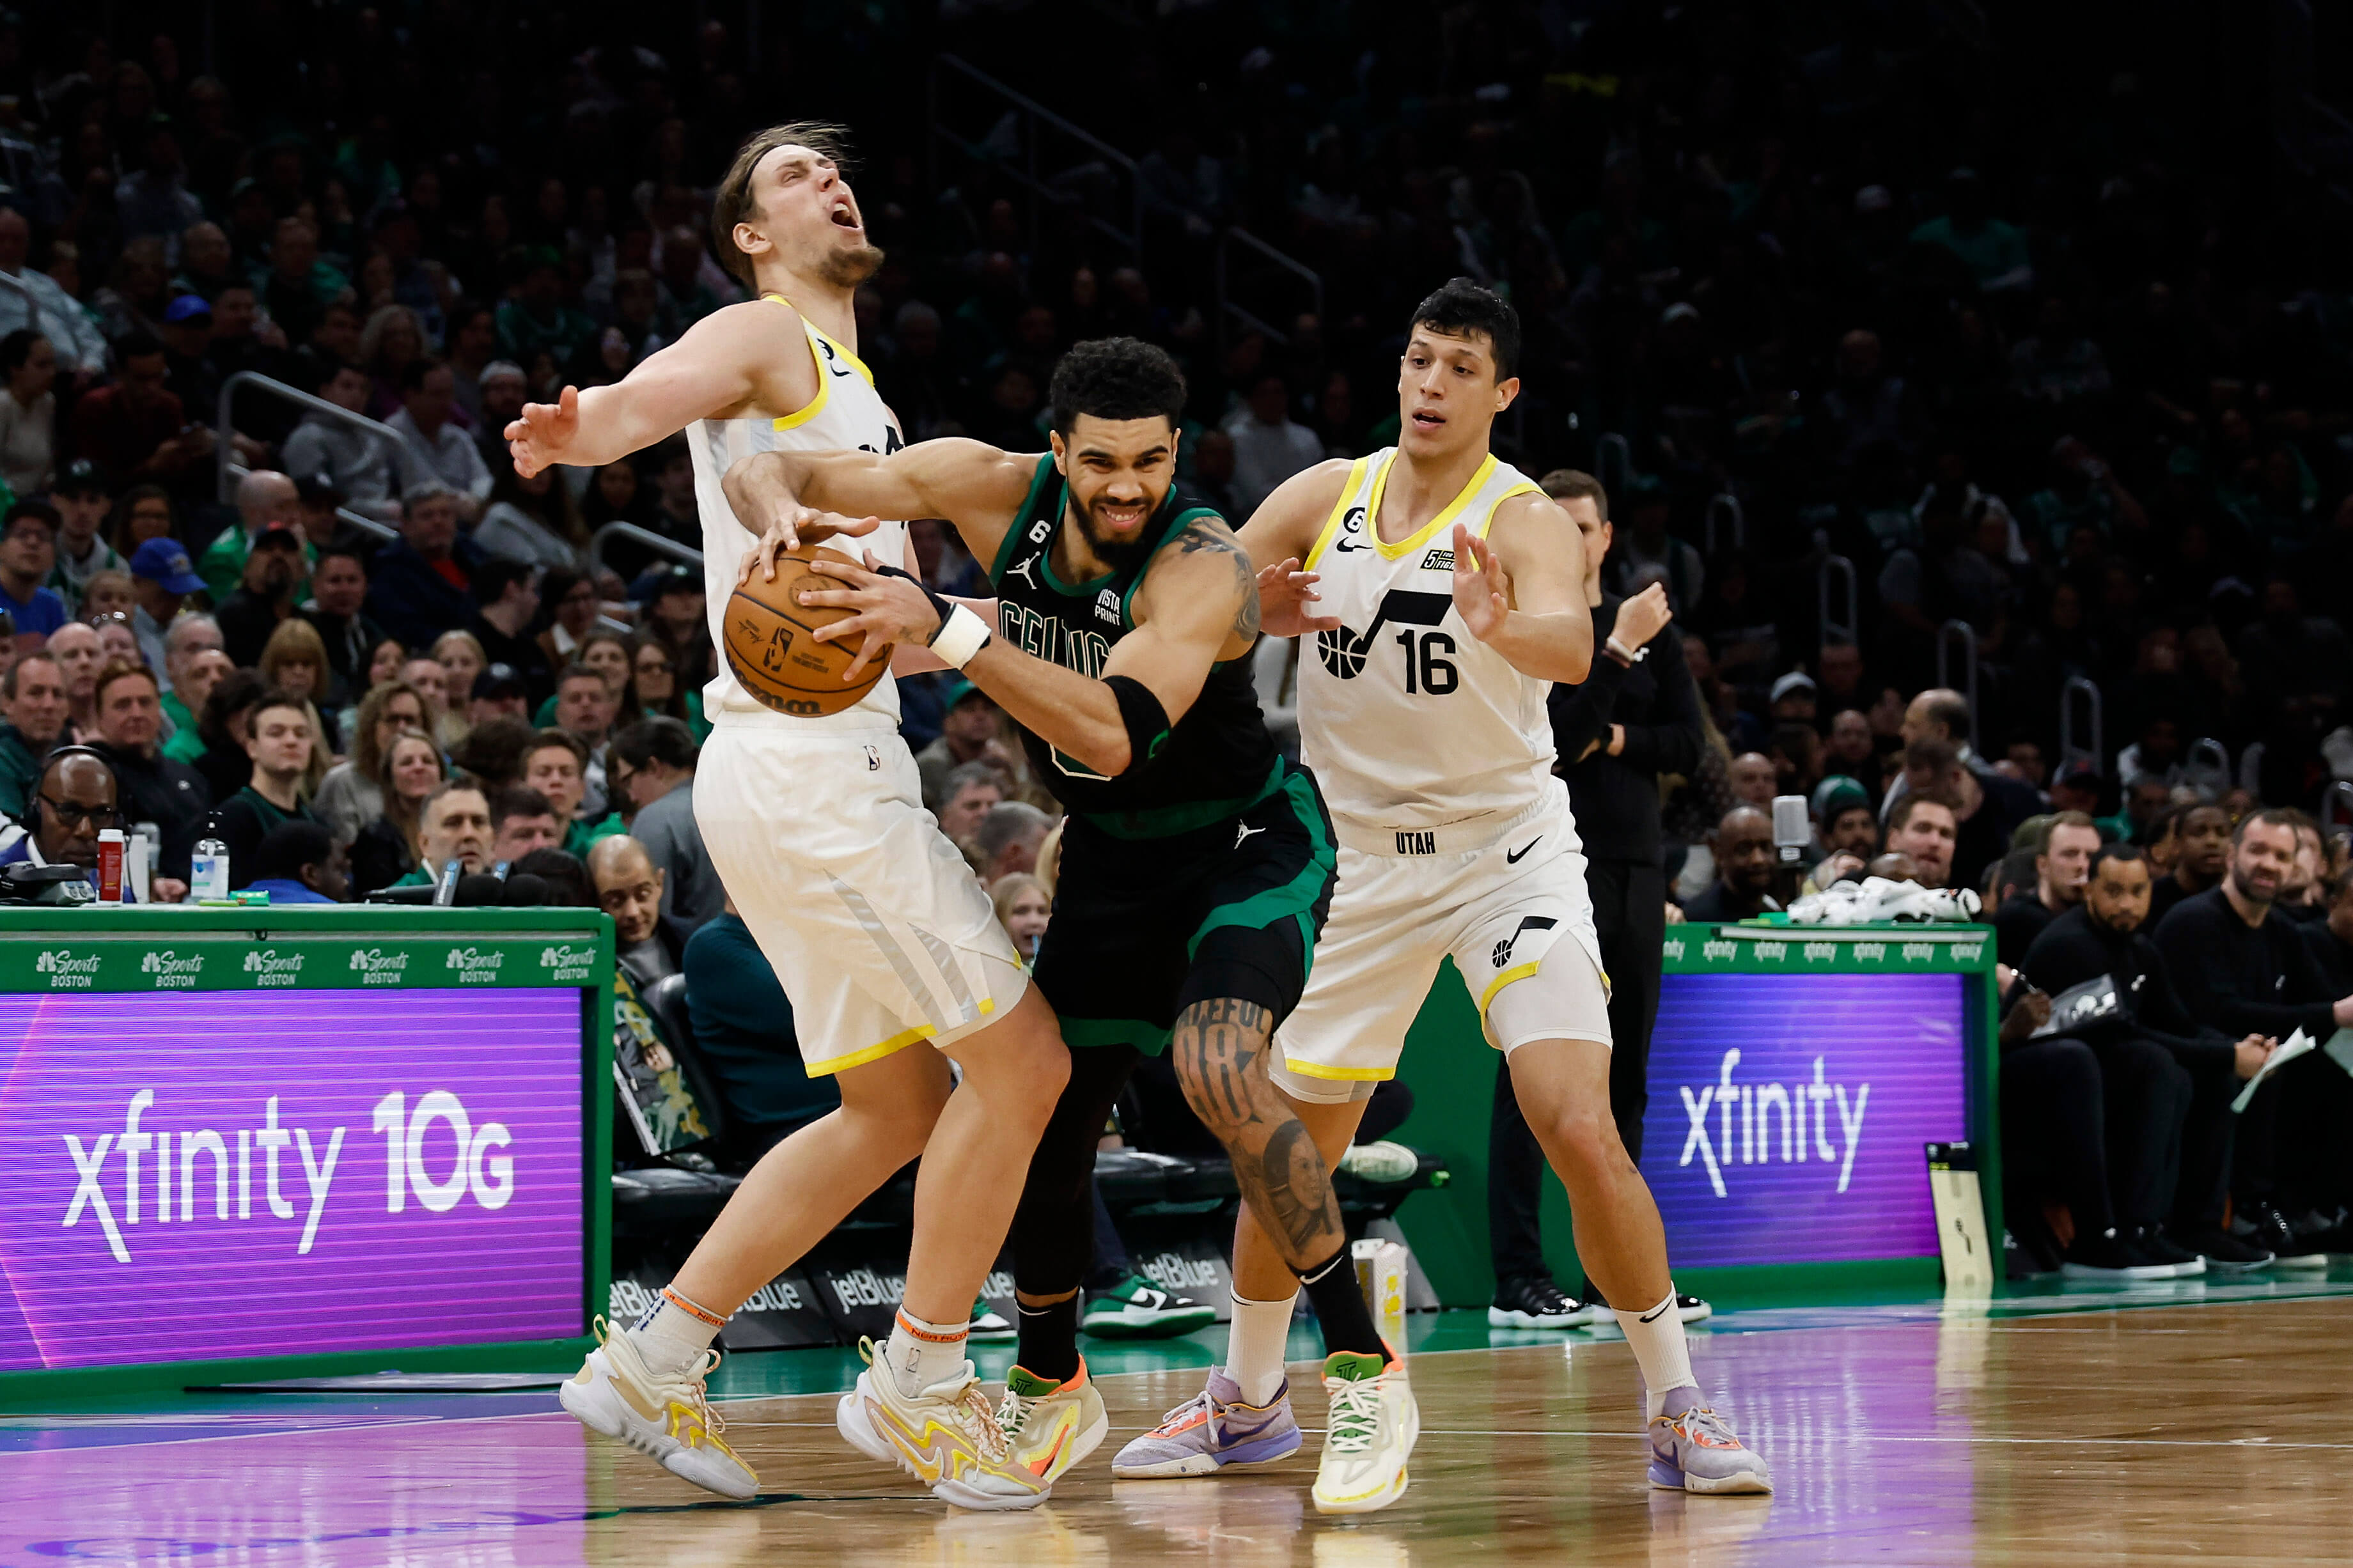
1209,533
1220,1048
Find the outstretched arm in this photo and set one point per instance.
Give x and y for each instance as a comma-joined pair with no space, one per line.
746,356
784,497
1202,600
1521,590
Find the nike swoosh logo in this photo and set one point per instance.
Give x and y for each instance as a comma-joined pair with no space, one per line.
1343,544
1512,858
1653,1314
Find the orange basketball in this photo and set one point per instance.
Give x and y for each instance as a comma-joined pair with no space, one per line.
770,648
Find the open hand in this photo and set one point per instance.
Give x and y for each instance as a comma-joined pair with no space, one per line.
1483,589
1284,592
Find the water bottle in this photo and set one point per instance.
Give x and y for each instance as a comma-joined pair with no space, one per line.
208,870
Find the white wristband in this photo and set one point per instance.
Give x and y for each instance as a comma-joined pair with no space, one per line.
961,635
1631,655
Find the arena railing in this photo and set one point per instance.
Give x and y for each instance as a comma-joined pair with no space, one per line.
228,470
1229,309
1019,162
659,544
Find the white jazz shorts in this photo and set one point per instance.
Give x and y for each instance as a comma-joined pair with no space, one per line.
1514,916
876,926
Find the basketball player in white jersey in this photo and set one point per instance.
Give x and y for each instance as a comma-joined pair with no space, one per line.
873,920
1446,595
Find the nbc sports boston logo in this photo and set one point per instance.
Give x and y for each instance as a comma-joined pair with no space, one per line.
562,961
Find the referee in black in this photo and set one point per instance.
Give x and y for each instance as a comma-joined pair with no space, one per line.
1636,716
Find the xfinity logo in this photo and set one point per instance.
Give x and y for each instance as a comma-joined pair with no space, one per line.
1800,1131
219,1170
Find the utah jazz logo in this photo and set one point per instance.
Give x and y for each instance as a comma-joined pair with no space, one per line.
1503,953
1343,651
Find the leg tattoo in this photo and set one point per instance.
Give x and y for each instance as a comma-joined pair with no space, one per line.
1220,1052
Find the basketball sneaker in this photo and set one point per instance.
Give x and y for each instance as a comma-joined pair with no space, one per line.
1537,1304
1211,1431
1369,1435
1380,1161
668,1419
1693,1449
1137,1309
988,1323
945,1436
1051,1426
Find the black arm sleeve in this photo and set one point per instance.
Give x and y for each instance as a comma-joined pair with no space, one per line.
1670,741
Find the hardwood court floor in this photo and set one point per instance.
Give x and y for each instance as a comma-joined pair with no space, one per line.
2212,1431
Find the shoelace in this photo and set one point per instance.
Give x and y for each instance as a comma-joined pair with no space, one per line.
1169,1418
698,1387
1013,1412
980,1422
1701,1422
1356,1418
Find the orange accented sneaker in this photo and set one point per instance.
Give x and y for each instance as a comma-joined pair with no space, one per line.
1051,1426
945,1436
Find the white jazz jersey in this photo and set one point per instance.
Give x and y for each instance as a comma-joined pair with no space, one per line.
1408,721
847,412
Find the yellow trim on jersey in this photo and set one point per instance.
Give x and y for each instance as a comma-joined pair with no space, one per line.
1339,512
824,379
1526,488
1517,972
1423,534
1339,1074
872,1053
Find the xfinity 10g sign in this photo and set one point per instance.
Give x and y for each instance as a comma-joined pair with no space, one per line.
1787,1111
205,1174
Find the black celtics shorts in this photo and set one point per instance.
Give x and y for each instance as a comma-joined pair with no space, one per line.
1145,927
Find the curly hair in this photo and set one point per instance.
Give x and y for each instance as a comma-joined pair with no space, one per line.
1116,378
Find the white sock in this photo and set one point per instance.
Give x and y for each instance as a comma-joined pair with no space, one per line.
673,1333
1254,1345
921,1354
1665,1356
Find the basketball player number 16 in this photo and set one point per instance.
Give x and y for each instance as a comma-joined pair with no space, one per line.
1437,676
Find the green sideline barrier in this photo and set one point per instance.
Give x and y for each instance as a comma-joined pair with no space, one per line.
1931,1068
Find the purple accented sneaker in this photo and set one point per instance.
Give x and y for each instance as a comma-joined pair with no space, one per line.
1693,1449
1210,1431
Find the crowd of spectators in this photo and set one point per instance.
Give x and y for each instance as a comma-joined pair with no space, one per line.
1804,284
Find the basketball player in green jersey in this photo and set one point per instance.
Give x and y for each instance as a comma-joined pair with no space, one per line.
1195,862
1446,595
890,954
